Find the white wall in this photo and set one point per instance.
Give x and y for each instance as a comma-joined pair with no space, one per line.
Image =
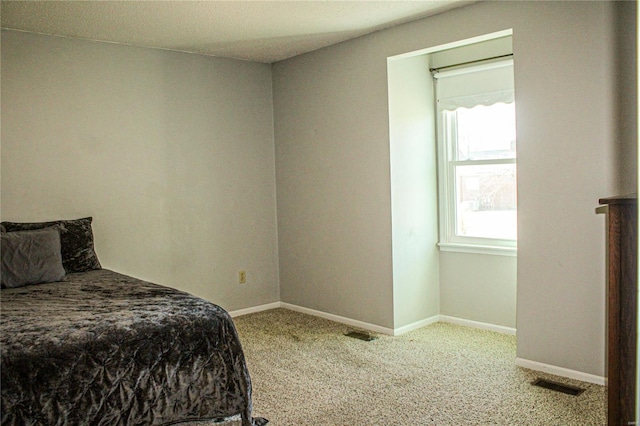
414,201
564,74
497,46
478,287
626,89
171,153
332,163
332,175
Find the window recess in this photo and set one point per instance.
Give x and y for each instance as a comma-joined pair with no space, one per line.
477,157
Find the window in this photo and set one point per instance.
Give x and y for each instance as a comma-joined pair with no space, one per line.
477,158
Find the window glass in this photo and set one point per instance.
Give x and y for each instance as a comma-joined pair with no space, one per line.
486,201
486,132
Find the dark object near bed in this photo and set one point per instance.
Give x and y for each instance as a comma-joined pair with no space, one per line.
76,238
103,348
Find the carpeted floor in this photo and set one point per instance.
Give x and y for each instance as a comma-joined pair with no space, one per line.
306,372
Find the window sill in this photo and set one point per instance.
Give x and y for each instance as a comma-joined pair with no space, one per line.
479,249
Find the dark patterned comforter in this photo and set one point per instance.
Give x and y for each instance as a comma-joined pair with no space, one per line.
103,348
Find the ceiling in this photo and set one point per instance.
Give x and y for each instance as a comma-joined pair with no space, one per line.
262,31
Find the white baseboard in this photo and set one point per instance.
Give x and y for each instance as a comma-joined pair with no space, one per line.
416,325
560,371
477,324
255,309
338,318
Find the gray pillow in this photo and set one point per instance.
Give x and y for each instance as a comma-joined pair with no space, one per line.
31,257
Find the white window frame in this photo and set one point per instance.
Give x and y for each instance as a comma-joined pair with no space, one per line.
449,241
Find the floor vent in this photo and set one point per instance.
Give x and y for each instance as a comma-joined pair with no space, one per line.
361,336
559,387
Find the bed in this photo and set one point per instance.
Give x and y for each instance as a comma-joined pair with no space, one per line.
98,347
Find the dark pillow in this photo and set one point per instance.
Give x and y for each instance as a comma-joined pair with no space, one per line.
31,257
76,238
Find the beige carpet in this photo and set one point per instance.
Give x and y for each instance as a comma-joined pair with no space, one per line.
306,372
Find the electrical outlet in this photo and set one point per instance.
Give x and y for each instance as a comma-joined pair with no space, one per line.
242,277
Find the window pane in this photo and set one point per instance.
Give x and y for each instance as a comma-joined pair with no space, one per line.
486,132
486,201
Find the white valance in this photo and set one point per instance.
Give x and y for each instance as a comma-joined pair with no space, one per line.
450,104
485,84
